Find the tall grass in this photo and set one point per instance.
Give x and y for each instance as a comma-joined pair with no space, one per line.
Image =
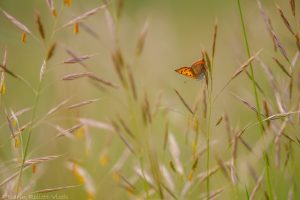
270,192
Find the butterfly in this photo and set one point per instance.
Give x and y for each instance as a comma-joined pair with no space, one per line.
198,70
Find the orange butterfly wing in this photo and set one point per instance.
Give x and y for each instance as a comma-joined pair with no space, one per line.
199,68
186,71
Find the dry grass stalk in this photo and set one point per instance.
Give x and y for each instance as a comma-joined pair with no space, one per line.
146,111
51,51
214,194
297,37
126,128
96,124
280,47
69,132
27,164
12,177
132,84
293,7
40,160
273,83
83,103
171,164
281,115
167,176
155,170
55,189
122,137
4,68
219,120
208,67
121,161
222,166
282,67
17,23
89,30
175,153
239,71
288,149
144,175
83,16
40,25
111,25
291,84
91,76
185,189
119,63
128,185
21,129
20,112
286,22
194,168
83,177
184,102
247,104
204,175
244,66
271,31
234,157
280,105
42,70
257,186
268,23
277,142
10,126
214,39
228,127
142,38
295,59
252,172
74,76
77,59
56,108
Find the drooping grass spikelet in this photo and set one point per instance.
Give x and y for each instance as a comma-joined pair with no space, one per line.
17,23
286,22
40,25
51,51
83,16
184,102
142,38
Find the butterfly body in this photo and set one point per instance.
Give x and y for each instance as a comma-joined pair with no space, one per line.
198,70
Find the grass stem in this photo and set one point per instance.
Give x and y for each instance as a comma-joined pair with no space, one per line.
256,97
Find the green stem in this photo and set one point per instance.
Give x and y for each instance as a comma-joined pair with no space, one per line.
208,130
256,98
207,143
28,138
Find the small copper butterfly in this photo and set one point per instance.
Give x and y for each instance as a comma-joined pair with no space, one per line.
198,70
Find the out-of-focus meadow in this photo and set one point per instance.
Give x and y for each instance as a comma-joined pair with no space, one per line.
91,107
